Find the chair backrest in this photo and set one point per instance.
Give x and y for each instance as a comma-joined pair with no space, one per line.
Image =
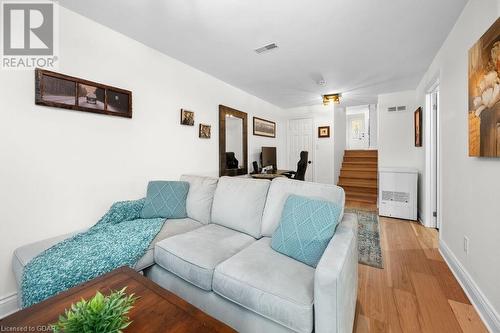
231,161
302,166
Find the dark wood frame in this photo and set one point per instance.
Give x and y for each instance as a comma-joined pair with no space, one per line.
417,117
319,132
267,121
39,90
223,111
199,131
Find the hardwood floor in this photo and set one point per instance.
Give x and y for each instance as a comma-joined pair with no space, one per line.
416,291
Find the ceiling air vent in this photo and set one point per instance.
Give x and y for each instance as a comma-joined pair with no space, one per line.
266,48
396,108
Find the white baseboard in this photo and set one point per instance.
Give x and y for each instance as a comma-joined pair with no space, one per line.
8,305
490,317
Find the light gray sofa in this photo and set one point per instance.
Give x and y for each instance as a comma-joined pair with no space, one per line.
220,259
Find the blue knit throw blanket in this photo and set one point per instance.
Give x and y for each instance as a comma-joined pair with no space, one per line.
120,238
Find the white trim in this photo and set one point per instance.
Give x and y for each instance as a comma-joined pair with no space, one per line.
8,305
432,123
486,311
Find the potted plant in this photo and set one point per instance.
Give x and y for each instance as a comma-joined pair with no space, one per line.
103,314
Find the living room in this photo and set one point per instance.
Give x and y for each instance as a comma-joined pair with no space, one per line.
215,103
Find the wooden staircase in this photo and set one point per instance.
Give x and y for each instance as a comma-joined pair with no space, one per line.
359,177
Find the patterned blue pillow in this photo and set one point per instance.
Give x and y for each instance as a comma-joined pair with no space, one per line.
306,227
165,199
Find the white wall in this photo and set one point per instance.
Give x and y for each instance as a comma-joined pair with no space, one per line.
469,185
339,139
60,170
323,158
373,126
396,134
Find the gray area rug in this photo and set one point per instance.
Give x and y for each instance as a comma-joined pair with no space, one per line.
369,251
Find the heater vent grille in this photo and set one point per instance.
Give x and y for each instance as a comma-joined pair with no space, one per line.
266,48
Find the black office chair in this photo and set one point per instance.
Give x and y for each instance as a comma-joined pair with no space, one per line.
301,167
231,161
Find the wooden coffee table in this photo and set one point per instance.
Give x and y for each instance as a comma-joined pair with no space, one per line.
157,310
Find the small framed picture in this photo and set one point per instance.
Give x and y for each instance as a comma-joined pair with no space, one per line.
418,127
324,132
187,117
205,131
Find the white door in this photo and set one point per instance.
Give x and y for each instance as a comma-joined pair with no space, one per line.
300,137
357,138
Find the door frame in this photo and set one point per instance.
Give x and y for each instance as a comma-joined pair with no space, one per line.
366,116
312,153
433,175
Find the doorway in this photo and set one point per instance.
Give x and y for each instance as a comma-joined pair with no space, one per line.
433,158
300,138
357,125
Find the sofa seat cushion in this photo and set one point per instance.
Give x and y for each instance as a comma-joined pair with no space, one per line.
194,255
170,228
270,284
24,254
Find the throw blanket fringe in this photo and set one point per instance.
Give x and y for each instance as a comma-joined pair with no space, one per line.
120,238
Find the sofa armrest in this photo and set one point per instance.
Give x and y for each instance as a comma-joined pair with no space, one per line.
336,280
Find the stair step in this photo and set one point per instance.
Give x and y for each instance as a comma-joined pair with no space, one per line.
358,174
360,159
361,153
359,167
370,164
361,197
371,183
354,189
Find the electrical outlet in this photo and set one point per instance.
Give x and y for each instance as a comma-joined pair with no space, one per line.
466,245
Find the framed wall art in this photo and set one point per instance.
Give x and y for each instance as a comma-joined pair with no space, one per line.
324,132
417,117
68,92
262,127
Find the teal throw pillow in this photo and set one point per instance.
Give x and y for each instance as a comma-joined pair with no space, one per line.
306,227
166,199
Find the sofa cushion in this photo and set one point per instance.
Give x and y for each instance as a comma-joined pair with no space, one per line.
166,199
270,284
194,255
24,254
170,228
306,227
281,188
200,197
239,203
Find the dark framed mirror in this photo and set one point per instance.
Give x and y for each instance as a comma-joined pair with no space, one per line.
233,142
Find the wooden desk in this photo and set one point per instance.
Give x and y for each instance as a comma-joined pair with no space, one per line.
157,310
269,176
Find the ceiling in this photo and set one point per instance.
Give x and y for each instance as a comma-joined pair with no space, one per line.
361,48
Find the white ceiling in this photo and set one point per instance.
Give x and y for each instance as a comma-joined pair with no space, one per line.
360,47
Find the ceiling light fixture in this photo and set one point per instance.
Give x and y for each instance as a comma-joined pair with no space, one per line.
331,98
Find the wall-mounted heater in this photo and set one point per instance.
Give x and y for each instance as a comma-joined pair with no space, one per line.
398,193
